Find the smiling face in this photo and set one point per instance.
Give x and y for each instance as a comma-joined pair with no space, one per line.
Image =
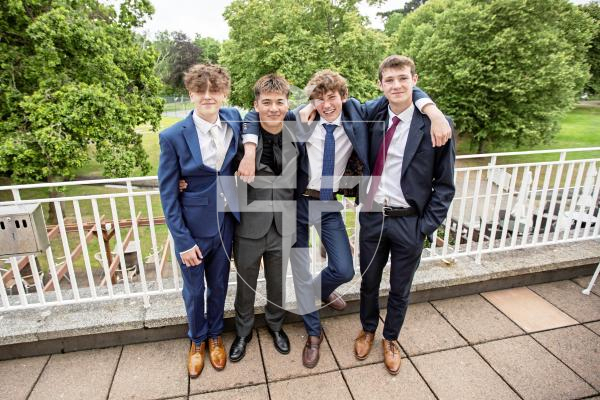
329,106
208,103
397,84
271,108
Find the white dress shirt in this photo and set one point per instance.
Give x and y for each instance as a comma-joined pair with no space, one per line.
315,145
208,149
390,190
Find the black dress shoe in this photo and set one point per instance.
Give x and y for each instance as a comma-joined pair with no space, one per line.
238,347
281,341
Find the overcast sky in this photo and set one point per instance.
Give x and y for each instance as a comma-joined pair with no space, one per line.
206,16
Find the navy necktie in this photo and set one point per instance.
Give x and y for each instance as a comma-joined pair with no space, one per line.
326,192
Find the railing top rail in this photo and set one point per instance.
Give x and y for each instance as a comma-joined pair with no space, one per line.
155,178
522,153
101,181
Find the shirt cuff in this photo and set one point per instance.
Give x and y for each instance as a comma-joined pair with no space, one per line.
422,103
181,252
249,138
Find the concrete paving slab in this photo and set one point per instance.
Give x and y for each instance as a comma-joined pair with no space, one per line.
528,310
584,281
532,370
78,375
286,366
26,369
258,392
594,326
577,347
317,387
152,371
374,382
341,332
476,319
425,331
462,374
248,371
567,296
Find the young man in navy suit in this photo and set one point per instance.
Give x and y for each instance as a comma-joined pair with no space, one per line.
410,191
336,145
200,149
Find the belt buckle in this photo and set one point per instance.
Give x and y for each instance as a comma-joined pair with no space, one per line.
385,209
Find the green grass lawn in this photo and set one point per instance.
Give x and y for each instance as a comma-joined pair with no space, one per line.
579,128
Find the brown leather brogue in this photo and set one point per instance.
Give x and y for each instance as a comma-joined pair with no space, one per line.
216,353
196,359
335,301
391,356
362,344
310,353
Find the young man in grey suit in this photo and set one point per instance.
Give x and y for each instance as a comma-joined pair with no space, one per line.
265,232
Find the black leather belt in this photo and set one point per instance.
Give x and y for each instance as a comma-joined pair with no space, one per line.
315,194
389,211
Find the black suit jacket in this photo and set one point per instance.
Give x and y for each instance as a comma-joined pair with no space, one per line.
270,190
427,178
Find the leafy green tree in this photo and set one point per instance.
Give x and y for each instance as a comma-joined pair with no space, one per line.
210,49
392,22
73,75
506,70
593,55
297,38
176,54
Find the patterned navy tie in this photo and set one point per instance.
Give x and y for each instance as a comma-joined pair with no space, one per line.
328,163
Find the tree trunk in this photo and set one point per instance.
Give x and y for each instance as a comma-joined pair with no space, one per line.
53,193
480,146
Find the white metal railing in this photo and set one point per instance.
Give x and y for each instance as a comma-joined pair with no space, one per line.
110,240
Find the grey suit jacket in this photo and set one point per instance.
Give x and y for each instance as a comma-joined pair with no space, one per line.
269,197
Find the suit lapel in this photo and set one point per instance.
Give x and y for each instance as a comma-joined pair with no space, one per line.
415,135
235,127
349,129
380,123
191,137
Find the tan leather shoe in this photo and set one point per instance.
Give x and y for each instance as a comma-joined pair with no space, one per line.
391,356
335,301
216,353
196,359
310,353
362,344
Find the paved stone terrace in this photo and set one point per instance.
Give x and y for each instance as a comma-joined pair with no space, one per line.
536,342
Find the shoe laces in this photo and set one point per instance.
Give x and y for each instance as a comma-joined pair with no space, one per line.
214,341
391,346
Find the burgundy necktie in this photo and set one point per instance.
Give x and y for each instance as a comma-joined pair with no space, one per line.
380,161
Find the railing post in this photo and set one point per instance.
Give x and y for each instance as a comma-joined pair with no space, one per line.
486,204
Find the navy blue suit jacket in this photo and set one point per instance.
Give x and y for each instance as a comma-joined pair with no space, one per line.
193,214
427,178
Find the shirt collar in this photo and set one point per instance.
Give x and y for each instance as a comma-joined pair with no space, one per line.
204,126
336,122
405,116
